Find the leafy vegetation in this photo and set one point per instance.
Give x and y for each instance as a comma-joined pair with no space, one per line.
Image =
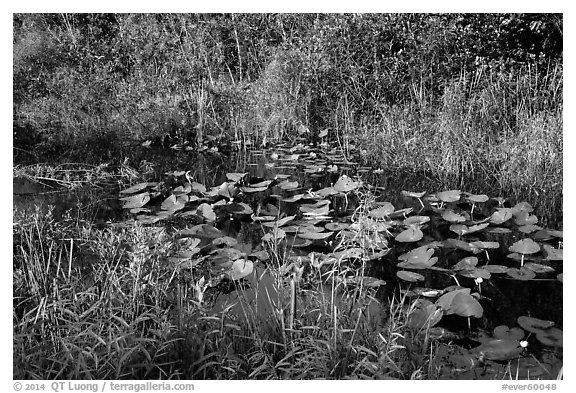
208,212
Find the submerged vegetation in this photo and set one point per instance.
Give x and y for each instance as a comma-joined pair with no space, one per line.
278,197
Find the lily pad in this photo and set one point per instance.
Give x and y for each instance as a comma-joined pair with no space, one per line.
539,268
500,216
409,276
205,211
504,332
416,220
383,211
461,303
240,268
551,336
466,263
425,317
534,325
499,349
136,201
412,234
478,198
451,216
136,188
345,184
476,273
496,269
413,194
523,274
525,246
315,235
553,254
449,196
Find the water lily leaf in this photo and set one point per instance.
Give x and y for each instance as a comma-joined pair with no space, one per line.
261,255
477,198
553,254
412,234
428,292
368,282
238,208
275,234
529,228
281,222
168,203
499,349
250,190
522,207
467,263
485,245
449,196
205,211
226,240
413,194
459,229
505,333
451,216
401,213
145,219
539,268
418,255
420,265
293,198
534,325
523,273
336,226
498,230
136,201
458,244
314,235
350,253
181,190
235,177
345,184
416,220
425,317
460,302
409,276
500,216
137,187
475,273
560,277
197,187
288,185
524,218
315,211
551,336
496,269
137,210
525,246
240,268
383,211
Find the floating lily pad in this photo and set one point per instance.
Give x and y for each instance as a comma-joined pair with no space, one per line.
336,226
499,349
449,196
496,269
238,208
368,282
451,216
412,234
553,254
525,246
226,240
314,235
529,228
523,274
383,211
505,333
539,268
136,201
401,213
205,211
485,245
551,336
136,188
560,277
413,194
478,198
428,292
419,265
275,234
345,184
466,263
500,216
235,177
534,325
409,276
240,268
416,220
425,317
498,230
525,218
461,303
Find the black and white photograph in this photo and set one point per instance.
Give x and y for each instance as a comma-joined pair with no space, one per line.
286,196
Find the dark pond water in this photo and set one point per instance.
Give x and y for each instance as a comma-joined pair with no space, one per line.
262,187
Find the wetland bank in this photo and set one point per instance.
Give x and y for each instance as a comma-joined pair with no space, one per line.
198,198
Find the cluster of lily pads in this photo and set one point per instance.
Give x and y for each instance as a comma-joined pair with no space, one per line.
308,223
